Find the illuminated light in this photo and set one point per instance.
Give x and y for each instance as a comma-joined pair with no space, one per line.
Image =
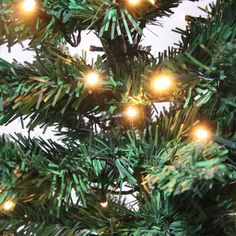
8,205
152,2
104,204
202,133
134,2
162,83
92,79
29,5
131,112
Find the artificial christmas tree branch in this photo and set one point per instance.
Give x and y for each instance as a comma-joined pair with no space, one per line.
181,181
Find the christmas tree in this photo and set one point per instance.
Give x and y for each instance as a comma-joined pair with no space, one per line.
122,168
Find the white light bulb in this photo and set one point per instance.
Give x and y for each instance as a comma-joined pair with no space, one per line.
132,112
28,5
162,83
201,133
104,204
92,78
8,205
134,2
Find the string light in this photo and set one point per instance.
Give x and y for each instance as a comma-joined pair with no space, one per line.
152,2
202,133
161,83
92,79
134,2
131,112
28,5
8,205
104,204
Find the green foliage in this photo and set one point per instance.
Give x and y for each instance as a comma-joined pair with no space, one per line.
180,186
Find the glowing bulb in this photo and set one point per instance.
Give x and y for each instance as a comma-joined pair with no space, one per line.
131,112
28,5
92,79
162,83
8,205
202,133
104,204
134,2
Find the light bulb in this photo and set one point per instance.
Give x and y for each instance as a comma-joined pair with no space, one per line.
131,112
202,133
8,205
162,83
92,79
28,5
104,204
134,2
